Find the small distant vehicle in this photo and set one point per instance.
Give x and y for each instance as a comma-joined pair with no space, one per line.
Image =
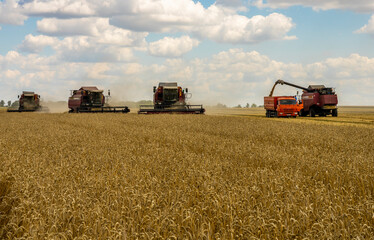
317,99
28,102
92,100
170,98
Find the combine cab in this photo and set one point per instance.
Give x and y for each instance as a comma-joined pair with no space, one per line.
28,102
92,100
170,98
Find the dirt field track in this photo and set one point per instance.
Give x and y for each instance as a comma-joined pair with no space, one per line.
230,174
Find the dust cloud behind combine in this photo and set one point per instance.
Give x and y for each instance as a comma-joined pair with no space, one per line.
56,107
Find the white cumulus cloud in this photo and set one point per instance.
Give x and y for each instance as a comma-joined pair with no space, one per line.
220,22
86,49
240,29
172,47
217,22
71,27
36,44
239,5
98,28
11,13
366,6
59,8
85,40
231,77
368,28
78,49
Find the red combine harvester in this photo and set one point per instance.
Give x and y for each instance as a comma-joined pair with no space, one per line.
170,98
92,100
28,102
281,106
317,99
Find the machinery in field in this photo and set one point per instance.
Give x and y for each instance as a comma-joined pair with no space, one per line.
92,100
317,99
28,102
281,106
170,98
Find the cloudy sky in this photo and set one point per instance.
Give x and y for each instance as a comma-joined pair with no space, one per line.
227,51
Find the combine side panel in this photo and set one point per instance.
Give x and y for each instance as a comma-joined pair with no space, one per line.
328,100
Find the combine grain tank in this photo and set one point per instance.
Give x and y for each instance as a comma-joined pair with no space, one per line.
92,100
28,102
170,98
317,99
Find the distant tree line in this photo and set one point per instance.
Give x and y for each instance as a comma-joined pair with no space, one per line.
254,105
10,104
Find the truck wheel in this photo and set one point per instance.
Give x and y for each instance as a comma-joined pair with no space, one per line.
334,112
312,112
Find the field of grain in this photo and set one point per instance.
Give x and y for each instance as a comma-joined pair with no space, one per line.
230,174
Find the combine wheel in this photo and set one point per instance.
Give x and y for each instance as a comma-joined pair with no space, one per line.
334,112
303,113
312,112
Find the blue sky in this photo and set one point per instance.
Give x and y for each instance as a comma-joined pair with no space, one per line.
228,51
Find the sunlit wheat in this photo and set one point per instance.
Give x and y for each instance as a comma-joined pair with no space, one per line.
114,176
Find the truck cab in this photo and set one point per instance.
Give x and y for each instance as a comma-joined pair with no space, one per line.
288,107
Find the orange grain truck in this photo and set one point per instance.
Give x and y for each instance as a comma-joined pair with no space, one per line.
282,106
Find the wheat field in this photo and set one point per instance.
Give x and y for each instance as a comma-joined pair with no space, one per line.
229,175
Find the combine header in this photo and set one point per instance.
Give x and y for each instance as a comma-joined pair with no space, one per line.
317,99
28,102
170,98
92,100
